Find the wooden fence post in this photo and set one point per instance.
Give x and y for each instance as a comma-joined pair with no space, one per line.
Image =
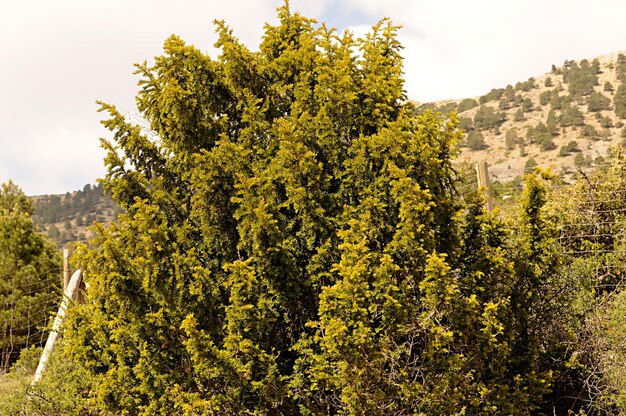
482,174
66,268
69,294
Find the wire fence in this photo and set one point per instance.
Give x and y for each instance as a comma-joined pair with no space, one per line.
591,228
27,304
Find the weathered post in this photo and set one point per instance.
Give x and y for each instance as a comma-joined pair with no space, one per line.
68,295
66,268
482,175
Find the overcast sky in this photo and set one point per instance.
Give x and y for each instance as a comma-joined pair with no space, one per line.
58,57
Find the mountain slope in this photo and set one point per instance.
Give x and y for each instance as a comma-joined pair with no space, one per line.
569,116
65,218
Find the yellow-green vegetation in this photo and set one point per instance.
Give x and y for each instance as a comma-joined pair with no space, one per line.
10,385
294,241
29,277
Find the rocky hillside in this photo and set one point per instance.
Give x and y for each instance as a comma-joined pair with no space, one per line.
571,116
65,218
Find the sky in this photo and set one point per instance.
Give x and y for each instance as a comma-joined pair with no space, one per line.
58,57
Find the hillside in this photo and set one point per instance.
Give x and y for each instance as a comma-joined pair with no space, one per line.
65,218
568,117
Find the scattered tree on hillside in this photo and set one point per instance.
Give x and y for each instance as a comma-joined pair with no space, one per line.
447,108
486,118
511,139
557,102
571,116
466,124
467,104
544,97
619,101
598,102
526,85
569,148
492,95
581,79
606,122
552,123
620,69
530,164
589,132
476,141
527,105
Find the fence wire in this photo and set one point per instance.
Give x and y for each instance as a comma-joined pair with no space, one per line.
27,304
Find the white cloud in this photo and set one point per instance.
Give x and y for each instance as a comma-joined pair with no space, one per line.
58,57
62,56
459,48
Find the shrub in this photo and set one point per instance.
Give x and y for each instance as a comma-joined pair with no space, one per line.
569,148
467,104
492,95
598,102
544,97
511,139
619,101
581,79
488,118
476,141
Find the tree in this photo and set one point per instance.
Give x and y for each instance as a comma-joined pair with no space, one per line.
234,217
527,105
598,102
571,116
544,97
476,141
466,124
552,123
580,160
293,242
530,164
492,95
526,86
511,139
569,148
581,79
488,118
589,132
29,276
467,104
619,101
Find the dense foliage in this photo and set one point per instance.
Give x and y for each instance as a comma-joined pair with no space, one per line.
29,276
294,242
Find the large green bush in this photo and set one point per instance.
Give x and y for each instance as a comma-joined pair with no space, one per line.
294,243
